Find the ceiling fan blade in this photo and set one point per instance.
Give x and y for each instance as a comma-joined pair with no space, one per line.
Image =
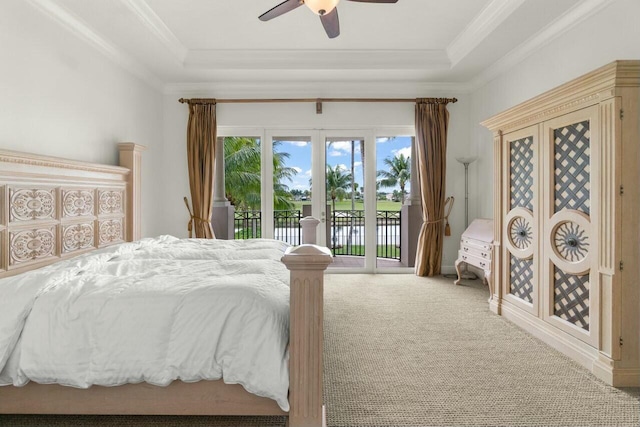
281,9
331,23
375,1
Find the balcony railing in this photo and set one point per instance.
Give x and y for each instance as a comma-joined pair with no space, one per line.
247,225
388,228
286,225
347,233
347,230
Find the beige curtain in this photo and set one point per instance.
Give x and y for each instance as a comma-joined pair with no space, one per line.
432,119
201,143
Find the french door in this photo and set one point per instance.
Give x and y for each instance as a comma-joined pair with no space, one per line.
293,162
325,169
328,174
349,198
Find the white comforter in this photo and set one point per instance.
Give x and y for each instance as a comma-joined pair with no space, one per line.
156,310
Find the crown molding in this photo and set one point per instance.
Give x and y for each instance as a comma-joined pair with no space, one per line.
591,87
494,14
81,30
314,89
573,17
157,27
318,59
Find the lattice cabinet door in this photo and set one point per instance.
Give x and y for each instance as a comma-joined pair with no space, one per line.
521,225
570,269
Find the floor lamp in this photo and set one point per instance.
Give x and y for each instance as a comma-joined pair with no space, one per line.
466,161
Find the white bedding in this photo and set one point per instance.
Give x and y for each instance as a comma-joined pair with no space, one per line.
129,313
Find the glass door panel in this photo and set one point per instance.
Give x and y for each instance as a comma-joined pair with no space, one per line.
242,184
291,186
290,171
346,200
393,202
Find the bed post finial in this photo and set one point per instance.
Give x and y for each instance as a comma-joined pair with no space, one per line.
306,264
309,225
131,158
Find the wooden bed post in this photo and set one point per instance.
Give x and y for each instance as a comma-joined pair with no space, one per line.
307,264
131,158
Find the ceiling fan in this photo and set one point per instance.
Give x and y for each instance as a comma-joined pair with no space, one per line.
326,9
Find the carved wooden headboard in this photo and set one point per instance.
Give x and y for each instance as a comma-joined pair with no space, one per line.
53,208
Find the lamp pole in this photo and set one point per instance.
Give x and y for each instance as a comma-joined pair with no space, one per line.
466,161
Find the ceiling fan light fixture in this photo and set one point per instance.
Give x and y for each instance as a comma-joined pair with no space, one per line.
321,7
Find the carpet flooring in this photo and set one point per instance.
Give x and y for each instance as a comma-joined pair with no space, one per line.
407,351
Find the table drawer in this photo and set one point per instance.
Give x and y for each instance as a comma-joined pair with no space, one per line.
476,251
476,261
483,246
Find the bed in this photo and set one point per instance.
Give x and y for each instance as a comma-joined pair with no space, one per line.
80,222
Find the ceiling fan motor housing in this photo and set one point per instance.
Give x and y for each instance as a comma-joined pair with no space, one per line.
321,7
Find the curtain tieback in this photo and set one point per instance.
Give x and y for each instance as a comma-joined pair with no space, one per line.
193,218
435,221
448,204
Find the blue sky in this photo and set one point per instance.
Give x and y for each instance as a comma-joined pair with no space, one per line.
339,153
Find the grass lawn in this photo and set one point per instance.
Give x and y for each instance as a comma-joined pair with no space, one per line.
345,205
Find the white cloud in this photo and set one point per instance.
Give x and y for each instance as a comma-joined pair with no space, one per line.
297,169
357,164
406,151
298,143
344,146
336,153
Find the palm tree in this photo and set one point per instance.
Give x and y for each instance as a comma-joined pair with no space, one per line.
243,179
398,174
282,198
242,172
338,181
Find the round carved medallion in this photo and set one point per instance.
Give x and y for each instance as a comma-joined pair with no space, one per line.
519,232
569,240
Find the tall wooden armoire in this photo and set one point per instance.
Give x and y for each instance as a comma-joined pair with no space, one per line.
567,219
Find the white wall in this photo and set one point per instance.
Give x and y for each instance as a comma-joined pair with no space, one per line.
59,96
614,33
335,116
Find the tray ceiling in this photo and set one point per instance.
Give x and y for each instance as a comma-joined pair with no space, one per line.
203,44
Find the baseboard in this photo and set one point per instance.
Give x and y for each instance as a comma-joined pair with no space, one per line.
448,269
599,364
617,377
495,305
582,353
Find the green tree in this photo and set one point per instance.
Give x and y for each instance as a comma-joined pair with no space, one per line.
398,173
282,199
338,182
243,179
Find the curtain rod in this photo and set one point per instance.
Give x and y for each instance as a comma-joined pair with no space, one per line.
318,101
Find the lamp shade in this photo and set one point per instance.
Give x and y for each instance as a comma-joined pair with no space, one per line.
467,160
321,7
